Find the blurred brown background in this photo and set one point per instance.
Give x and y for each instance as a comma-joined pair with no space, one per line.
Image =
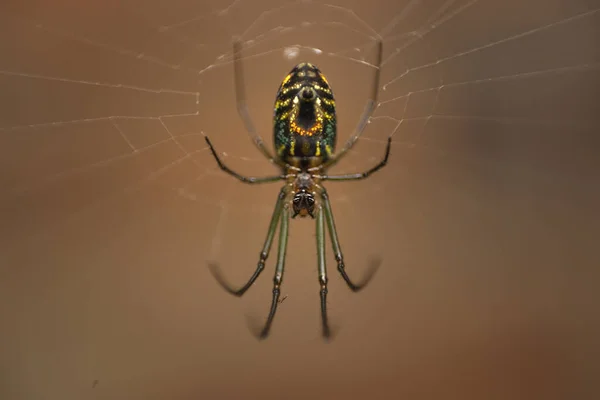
486,216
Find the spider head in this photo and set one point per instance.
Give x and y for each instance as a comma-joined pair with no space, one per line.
303,204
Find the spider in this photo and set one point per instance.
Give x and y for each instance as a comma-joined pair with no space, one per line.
304,138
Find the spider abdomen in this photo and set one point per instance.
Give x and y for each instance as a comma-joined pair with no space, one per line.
304,117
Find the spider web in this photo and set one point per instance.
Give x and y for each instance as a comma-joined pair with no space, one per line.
106,106
120,109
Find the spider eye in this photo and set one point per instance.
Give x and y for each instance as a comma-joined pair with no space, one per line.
296,200
311,200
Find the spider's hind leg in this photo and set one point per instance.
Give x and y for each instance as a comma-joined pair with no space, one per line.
242,106
366,115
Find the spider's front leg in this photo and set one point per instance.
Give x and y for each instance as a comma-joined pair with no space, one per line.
281,215
275,218
337,251
278,278
322,267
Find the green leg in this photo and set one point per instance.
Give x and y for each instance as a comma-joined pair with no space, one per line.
338,251
263,254
278,278
322,266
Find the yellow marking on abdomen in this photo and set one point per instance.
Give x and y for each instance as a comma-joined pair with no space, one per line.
282,103
292,147
318,149
316,127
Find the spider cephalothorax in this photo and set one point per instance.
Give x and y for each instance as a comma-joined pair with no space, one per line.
303,200
303,204
304,136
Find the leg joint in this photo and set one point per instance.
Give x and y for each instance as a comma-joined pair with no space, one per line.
323,280
263,257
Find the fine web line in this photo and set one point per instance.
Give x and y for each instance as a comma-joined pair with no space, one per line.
164,83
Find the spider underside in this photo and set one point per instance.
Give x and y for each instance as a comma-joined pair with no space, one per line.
305,136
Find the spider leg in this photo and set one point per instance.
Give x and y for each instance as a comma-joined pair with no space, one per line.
338,251
245,179
322,269
242,106
278,278
263,254
366,115
362,175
